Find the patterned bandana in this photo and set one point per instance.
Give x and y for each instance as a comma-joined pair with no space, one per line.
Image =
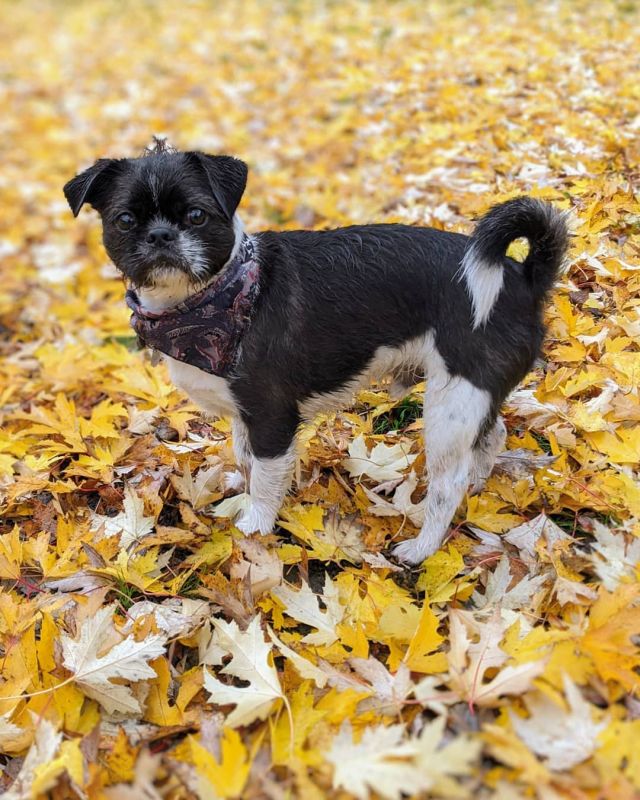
206,329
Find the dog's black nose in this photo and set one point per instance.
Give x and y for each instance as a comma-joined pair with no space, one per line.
161,236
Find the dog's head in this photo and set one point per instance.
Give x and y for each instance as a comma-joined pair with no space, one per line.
164,214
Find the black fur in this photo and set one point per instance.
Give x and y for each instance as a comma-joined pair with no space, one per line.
165,186
534,220
329,299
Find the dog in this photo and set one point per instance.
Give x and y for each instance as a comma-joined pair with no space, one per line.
274,327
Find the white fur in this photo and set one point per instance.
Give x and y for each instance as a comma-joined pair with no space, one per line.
484,282
270,481
192,250
238,231
454,410
386,361
240,441
210,392
171,287
485,455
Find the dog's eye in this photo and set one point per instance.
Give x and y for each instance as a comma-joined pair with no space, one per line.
196,216
125,221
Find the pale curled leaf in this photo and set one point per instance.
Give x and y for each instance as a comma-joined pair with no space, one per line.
469,661
201,489
380,762
383,463
342,535
8,731
442,763
143,787
526,536
174,617
131,524
93,673
520,462
303,606
497,590
305,667
44,748
614,560
260,566
563,738
250,663
400,503
388,692
230,507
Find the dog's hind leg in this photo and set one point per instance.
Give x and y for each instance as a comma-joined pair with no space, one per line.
242,453
485,452
455,411
273,455
403,382
240,443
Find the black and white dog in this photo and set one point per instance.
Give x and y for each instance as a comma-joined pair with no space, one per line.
333,309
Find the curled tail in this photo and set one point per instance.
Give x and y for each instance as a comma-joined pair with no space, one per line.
484,260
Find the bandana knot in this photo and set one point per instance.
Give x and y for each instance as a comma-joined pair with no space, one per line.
206,329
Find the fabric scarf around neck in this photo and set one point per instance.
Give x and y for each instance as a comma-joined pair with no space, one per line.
206,329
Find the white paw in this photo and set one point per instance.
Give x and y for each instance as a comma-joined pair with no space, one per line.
413,551
254,520
234,481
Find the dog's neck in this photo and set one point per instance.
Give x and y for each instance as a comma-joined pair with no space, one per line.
176,287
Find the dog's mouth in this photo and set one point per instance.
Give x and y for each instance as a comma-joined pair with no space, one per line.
163,269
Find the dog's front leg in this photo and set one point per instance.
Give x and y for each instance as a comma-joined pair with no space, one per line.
272,446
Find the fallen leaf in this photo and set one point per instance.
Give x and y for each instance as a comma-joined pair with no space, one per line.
379,762
250,663
563,738
383,463
304,606
127,660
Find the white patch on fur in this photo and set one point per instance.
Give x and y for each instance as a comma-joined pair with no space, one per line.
454,411
171,287
192,250
209,392
238,232
240,443
234,481
485,454
270,482
386,361
484,282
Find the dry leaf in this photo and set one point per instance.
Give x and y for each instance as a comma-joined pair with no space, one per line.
95,670
563,738
378,763
250,663
383,463
303,606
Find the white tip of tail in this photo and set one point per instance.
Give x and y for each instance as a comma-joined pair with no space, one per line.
484,283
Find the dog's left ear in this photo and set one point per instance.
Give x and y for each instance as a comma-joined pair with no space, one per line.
90,185
227,178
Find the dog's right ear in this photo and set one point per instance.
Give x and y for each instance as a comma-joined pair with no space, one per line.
90,185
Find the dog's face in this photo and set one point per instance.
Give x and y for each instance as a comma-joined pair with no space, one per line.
164,215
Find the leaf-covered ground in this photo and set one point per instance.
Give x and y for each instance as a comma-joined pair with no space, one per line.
147,649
